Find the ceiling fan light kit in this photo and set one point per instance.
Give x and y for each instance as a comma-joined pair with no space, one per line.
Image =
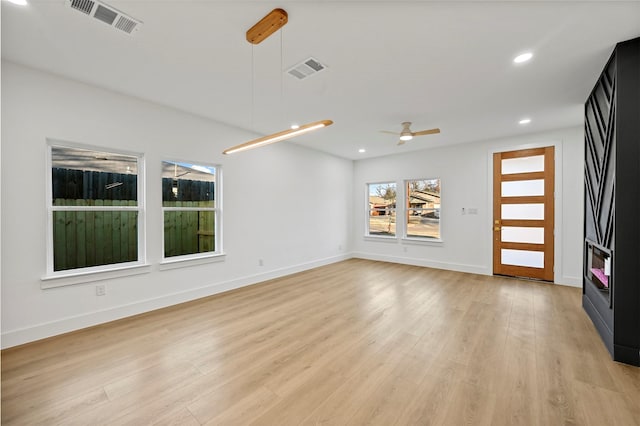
272,22
406,134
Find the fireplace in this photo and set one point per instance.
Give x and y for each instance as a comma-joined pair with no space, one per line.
611,282
598,266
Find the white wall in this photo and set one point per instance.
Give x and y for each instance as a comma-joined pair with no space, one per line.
283,203
292,207
466,174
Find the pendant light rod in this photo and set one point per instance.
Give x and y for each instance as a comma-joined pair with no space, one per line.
271,23
277,137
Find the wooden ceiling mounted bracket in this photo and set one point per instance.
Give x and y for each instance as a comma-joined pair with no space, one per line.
268,25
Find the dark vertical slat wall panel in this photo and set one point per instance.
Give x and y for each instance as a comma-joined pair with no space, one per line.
626,229
599,158
612,200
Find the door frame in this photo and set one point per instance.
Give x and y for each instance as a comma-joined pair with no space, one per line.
557,219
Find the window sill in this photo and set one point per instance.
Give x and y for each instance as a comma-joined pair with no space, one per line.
61,279
423,241
381,238
190,260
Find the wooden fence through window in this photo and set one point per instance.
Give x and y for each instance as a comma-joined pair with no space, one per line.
84,238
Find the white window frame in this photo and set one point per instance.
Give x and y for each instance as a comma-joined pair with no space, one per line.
218,253
407,208
92,273
368,211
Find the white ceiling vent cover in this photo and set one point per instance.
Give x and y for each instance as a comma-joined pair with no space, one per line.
306,68
105,13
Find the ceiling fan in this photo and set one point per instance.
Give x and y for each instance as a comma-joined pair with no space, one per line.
406,134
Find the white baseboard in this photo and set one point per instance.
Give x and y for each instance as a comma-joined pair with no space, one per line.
65,325
568,281
571,281
459,267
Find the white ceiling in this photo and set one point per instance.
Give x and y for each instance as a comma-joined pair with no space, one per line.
437,64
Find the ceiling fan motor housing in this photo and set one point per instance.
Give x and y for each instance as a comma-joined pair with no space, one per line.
406,134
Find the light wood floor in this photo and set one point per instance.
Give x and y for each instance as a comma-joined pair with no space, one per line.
353,343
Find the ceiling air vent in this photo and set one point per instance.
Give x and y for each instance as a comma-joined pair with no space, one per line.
84,6
306,68
105,13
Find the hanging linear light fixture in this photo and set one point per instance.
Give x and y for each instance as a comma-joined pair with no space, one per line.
272,22
280,136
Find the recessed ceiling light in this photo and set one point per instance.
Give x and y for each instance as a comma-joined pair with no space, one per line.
19,2
361,150
295,126
523,57
524,121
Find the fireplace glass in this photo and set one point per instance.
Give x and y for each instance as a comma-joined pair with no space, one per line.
598,266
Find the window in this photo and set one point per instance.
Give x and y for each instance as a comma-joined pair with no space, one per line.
423,208
191,213
382,209
95,214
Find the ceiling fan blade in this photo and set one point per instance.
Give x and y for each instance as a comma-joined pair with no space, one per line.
391,133
400,142
426,132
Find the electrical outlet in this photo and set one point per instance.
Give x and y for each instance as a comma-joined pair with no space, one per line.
340,247
473,210
260,262
405,249
101,290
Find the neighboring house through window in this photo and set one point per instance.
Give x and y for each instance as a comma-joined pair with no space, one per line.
423,208
382,209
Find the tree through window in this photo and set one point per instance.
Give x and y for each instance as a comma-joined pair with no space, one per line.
382,209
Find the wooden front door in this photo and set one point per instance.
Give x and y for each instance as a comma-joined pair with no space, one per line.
523,195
